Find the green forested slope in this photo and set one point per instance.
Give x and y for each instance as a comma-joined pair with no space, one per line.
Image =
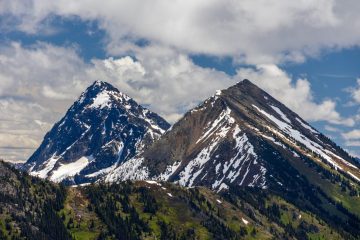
36,209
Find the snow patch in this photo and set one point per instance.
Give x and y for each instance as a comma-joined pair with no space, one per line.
274,141
246,222
153,182
223,186
129,170
169,171
343,160
282,115
46,167
100,172
355,177
222,123
102,100
295,134
306,126
194,167
151,122
70,169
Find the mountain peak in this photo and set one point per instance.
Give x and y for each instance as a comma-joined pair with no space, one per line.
245,84
240,136
100,86
100,95
102,128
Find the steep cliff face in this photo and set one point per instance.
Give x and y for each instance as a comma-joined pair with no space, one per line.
103,128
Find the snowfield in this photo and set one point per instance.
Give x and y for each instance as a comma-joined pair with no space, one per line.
70,169
102,100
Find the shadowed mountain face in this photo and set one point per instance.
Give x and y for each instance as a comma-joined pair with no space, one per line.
103,128
240,136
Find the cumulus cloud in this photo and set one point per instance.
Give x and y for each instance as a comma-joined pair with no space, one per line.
37,83
355,92
263,31
352,143
352,135
331,128
352,138
297,96
20,132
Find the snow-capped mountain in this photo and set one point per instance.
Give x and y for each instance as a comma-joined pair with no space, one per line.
241,136
103,128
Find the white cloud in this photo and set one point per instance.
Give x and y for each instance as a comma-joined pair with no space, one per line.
42,70
331,128
20,134
262,31
352,143
37,85
352,139
355,92
297,97
352,153
352,135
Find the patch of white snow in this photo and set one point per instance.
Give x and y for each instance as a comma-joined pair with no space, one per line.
246,222
69,170
102,100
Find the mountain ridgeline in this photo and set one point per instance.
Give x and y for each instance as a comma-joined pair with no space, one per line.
241,165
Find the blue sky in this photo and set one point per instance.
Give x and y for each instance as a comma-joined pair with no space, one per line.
307,58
